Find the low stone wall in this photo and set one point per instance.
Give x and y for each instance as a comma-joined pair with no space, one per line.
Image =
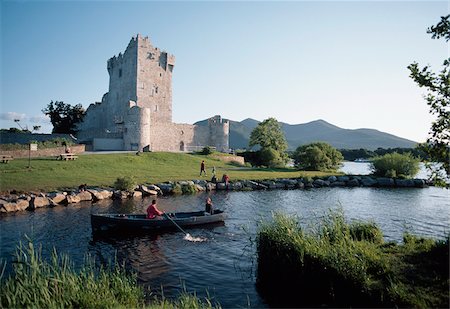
47,152
14,203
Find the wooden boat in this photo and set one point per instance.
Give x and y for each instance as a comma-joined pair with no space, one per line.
138,222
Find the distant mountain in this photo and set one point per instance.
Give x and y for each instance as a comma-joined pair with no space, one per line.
318,130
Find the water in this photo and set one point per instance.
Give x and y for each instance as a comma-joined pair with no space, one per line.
223,264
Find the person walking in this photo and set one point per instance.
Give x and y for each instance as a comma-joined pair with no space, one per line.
202,168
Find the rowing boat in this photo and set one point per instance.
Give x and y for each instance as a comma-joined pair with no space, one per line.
136,222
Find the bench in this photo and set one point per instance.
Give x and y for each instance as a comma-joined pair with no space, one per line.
67,156
5,158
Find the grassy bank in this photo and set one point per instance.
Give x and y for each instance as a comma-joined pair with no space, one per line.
349,265
103,169
35,283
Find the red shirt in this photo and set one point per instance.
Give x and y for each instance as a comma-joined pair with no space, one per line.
152,212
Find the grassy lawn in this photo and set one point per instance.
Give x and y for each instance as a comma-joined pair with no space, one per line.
102,170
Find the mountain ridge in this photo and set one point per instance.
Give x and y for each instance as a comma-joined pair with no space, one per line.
318,130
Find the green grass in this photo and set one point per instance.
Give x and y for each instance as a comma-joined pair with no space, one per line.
36,283
103,169
348,265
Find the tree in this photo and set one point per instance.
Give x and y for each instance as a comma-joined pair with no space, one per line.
317,156
270,137
64,117
438,99
395,165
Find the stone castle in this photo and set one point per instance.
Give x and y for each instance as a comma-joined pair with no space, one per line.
136,113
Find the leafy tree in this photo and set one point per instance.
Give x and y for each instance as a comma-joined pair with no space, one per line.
270,137
395,165
64,117
317,156
438,99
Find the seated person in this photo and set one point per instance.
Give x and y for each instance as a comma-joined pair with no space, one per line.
209,206
153,211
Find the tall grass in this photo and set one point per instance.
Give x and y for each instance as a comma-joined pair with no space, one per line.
343,264
36,283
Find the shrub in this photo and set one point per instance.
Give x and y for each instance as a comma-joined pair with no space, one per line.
271,158
367,231
317,157
125,183
206,150
395,165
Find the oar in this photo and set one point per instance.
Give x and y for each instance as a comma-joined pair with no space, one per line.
179,227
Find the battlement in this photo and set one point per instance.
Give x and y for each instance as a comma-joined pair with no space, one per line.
217,120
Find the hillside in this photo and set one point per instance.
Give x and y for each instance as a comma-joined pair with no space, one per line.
319,130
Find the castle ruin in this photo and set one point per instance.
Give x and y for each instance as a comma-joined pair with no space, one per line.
136,112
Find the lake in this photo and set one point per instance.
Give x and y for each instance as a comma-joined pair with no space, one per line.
224,265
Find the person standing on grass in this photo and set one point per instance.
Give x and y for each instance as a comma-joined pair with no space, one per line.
153,211
202,168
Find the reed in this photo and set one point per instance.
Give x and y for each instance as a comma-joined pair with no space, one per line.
36,283
341,264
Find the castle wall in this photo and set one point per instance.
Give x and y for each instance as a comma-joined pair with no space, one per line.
154,80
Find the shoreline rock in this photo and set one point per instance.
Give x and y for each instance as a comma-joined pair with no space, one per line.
33,200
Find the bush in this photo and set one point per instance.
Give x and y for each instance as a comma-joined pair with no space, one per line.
317,157
206,150
395,165
271,158
125,184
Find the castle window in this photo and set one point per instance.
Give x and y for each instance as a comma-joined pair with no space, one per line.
120,72
156,108
156,90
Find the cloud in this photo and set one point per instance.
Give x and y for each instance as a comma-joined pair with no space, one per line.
39,119
12,116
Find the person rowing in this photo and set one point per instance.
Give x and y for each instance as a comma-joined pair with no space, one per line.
153,212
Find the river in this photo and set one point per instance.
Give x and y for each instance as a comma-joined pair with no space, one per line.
224,265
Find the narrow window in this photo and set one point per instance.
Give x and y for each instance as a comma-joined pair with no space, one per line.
156,108
120,72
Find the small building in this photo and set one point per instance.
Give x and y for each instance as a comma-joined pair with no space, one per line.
136,113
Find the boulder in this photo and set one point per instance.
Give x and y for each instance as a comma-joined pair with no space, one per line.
332,179
199,188
420,183
280,185
121,195
343,178
210,186
237,186
38,202
73,199
147,191
221,186
256,185
13,207
353,183
155,188
100,195
57,198
300,185
385,182
85,196
165,187
337,184
368,182
404,183
321,183
137,194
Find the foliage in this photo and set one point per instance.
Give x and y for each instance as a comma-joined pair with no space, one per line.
270,137
353,154
206,150
438,100
317,156
395,165
271,158
15,130
52,143
126,183
36,283
64,117
338,265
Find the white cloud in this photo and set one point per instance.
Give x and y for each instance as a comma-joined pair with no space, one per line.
12,116
39,119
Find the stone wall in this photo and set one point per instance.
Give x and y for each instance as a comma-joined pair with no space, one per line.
26,138
47,152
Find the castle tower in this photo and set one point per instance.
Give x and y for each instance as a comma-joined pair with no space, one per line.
219,133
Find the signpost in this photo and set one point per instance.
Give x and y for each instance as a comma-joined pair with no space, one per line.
33,147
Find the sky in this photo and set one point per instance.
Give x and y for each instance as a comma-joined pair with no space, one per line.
341,61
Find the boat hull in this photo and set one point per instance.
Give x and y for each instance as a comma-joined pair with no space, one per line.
133,222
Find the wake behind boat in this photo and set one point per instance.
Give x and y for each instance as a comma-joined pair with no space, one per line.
138,222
